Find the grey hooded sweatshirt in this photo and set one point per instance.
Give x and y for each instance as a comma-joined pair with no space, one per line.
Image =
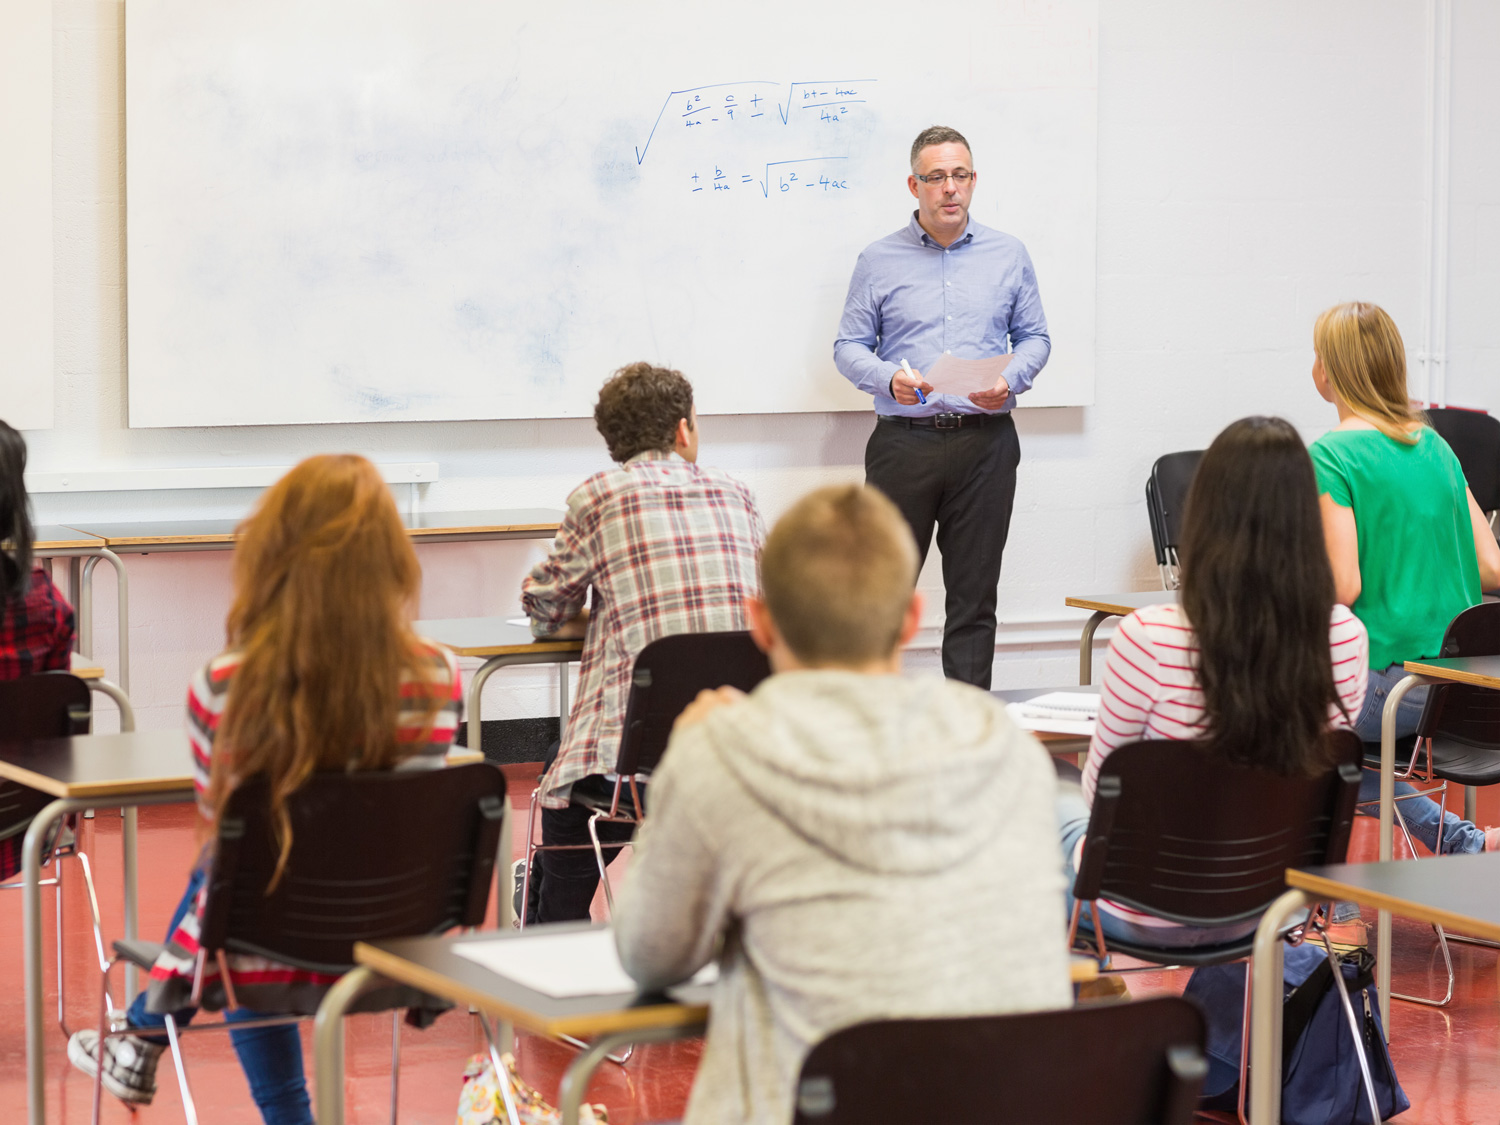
866,847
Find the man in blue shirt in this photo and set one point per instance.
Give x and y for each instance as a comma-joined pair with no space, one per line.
944,283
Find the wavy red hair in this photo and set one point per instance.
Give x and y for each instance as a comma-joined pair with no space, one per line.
324,581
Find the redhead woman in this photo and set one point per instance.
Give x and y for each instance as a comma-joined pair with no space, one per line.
321,672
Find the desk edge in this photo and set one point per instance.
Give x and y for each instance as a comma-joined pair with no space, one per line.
1320,887
627,1019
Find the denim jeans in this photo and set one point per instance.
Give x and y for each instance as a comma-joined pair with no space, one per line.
1424,817
270,1056
1072,823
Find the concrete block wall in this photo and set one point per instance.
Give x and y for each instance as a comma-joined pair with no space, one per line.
1257,162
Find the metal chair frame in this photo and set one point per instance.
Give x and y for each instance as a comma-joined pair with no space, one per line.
1091,869
143,955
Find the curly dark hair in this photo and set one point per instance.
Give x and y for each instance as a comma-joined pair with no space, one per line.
639,408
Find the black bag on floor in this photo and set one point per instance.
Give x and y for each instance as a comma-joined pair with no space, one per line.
1320,1077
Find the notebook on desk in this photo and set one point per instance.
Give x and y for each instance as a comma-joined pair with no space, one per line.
565,965
1060,712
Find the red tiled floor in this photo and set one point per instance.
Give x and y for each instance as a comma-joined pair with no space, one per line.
1447,1059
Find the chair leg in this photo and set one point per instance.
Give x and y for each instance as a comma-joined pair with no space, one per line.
1245,1043
1442,937
530,858
189,1107
609,895
57,897
395,1060
502,1076
1359,1047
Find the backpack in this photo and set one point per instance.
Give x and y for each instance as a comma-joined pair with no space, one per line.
1320,1077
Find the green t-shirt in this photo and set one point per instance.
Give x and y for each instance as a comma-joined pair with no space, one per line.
1417,567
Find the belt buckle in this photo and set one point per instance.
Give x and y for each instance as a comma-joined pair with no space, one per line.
947,421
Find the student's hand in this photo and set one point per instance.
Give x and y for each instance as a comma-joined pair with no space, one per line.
573,629
994,398
709,700
904,387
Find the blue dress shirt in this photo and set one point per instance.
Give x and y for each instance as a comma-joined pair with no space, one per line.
911,298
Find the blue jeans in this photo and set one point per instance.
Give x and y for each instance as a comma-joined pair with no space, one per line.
1424,817
1072,823
270,1056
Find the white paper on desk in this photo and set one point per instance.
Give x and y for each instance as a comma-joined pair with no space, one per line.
950,375
580,963
1084,728
526,621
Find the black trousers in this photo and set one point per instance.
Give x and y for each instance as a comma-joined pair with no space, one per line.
964,481
563,883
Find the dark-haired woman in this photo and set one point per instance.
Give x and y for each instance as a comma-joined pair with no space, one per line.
36,624
1257,660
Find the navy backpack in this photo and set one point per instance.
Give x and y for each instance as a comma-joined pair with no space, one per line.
1320,1078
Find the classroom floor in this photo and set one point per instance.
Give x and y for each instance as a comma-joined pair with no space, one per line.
1448,1059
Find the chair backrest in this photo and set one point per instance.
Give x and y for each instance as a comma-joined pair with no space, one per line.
375,855
1166,497
1178,831
1099,1063
669,674
43,705
1475,438
1462,712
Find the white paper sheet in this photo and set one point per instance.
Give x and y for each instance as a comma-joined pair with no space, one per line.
950,375
1063,705
518,621
579,963
1084,728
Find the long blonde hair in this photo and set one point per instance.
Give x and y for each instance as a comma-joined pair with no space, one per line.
324,578
1365,361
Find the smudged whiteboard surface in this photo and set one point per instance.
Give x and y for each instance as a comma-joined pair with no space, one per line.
362,210
26,213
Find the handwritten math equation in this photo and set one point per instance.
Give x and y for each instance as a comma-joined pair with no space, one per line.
726,105
777,177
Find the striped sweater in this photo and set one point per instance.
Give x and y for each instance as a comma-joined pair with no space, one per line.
1150,691
260,983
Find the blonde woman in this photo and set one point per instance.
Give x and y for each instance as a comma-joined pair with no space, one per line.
322,672
1409,547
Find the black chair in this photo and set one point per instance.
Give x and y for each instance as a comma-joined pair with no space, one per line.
1475,438
1099,1064
1166,497
46,705
1179,832
1458,735
669,673
374,855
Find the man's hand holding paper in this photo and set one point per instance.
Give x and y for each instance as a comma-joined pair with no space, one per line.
982,381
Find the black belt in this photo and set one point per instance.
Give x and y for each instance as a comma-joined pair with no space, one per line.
942,421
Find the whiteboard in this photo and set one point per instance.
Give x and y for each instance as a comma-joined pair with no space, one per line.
26,213
354,210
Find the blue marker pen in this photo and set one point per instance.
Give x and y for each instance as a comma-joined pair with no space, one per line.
907,368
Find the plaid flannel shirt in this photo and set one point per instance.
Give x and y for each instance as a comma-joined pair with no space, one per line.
668,547
36,631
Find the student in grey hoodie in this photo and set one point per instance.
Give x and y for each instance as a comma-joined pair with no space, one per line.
851,844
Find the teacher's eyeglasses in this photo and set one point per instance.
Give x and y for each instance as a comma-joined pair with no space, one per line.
960,177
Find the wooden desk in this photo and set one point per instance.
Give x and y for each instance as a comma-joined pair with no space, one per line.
124,770
1461,892
1104,606
502,645
84,552
510,523
1481,671
432,965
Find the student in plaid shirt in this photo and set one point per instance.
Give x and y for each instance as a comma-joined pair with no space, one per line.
36,624
668,547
